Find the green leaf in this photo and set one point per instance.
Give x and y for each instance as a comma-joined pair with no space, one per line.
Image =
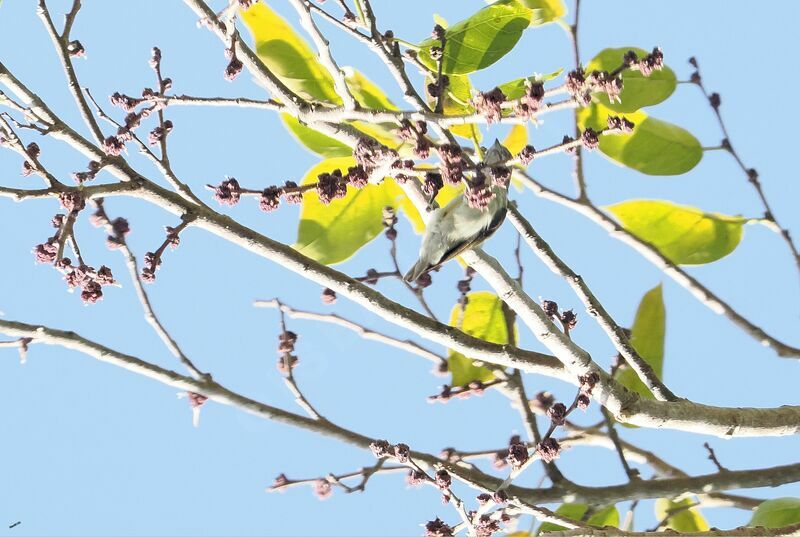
456,103
777,513
483,318
545,11
685,235
654,147
480,40
366,92
315,141
684,520
288,55
516,88
368,95
647,337
638,90
332,233
607,516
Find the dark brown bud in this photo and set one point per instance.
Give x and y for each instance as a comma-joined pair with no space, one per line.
557,414
570,319
550,308
381,448
443,479
526,155
517,454
401,453
75,49
415,478
590,139
328,296
270,199
548,450
437,528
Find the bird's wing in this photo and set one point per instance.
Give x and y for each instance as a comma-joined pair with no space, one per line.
482,233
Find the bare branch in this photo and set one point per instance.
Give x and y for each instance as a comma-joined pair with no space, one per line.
60,45
593,306
649,252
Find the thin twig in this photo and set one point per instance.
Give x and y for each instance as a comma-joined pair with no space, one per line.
751,173
651,253
713,458
144,299
593,306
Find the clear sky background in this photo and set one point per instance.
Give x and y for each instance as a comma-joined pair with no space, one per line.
88,449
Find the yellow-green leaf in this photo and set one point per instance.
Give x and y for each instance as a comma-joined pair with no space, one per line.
288,55
483,318
368,95
777,513
545,11
517,139
456,103
685,235
637,90
332,233
684,520
655,147
607,516
480,40
515,89
366,92
315,141
647,337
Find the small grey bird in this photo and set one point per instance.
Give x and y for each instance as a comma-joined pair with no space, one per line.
458,227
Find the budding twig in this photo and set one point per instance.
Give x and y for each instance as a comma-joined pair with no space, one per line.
713,458
116,239
649,252
752,175
593,306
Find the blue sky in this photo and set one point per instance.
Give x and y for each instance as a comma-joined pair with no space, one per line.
92,450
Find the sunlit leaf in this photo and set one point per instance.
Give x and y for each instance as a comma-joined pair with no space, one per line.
288,55
480,40
654,147
606,516
638,90
685,235
456,103
441,21
315,141
517,139
366,92
332,233
777,513
683,519
647,337
483,318
545,11
368,95
515,89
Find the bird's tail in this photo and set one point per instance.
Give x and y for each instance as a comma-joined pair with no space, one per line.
420,267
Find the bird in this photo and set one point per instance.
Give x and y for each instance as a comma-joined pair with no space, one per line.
457,227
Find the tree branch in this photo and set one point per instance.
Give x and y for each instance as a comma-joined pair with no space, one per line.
592,305
649,252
